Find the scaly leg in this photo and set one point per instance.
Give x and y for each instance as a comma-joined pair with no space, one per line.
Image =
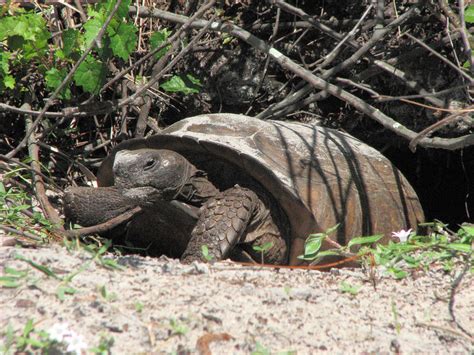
221,225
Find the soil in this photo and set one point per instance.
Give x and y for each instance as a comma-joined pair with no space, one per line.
163,306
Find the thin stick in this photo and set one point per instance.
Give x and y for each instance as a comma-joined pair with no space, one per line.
445,60
103,227
48,210
321,84
68,77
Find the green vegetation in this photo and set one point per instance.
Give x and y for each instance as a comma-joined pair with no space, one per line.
29,44
413,252
262,249
57,339
205,253
346,287
262,350
16,209
177,328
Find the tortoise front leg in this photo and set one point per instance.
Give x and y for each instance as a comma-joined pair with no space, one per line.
89,206
221,224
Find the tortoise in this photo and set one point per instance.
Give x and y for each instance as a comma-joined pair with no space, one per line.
233,182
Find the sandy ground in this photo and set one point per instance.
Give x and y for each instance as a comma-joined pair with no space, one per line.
162,306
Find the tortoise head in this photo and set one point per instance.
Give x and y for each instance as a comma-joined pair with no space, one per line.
151,174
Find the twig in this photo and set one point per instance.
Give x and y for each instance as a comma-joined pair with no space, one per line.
48,210
409,83
143,117
434,127
5,107
68,77
445,329
452,295
84,169
445,60
463,110
27,167
178,57
300,13
333,54
361,51
267,60
384,98
465,40
21,233
321,84
103,227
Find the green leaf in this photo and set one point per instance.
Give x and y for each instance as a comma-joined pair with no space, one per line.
205,252
106,7
185,84
15,272
123,39
63,290
348,288
464,248
469,14
44,269
332,229
398,273
469,229
364,240
263,248
4,61
313,245
92,28
122,11
71,40
9,81
157,39
54,78
29,326
9,282
90,75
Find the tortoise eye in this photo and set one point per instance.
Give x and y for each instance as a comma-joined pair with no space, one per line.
149,163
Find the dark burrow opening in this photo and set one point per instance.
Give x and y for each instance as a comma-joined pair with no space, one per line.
443,180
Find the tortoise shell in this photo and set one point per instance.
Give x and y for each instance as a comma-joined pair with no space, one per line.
319,176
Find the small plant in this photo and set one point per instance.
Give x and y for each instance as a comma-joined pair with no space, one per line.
13,278
105,344
98,252
396,323
58,339
412,252
262,249
177,328
346,287
262,350
108,296
313,243
205,253
29,340
15,207
139,307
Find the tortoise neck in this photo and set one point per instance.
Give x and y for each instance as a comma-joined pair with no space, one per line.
197,189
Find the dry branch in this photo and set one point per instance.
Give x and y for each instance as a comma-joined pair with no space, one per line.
317,82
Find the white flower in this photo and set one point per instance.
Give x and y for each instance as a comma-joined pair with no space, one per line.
76,344
61,333
402,235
